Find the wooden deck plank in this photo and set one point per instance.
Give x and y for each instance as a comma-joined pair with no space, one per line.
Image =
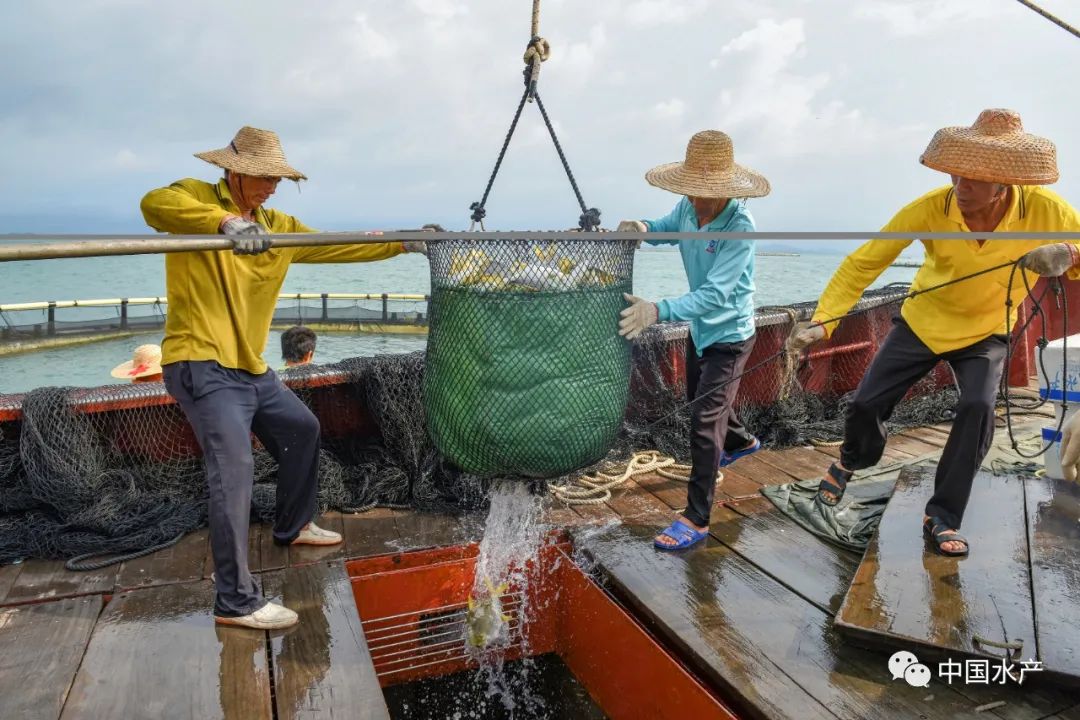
756,640
322,668
306,554
762,472
671,492
8,575
778,546
182,562
801,463
44,644
736,484
633,502
926,435
374,532
156,653
912,445
49,580
905,594
420,530
1053,508
271,555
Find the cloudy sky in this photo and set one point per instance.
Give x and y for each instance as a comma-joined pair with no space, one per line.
396,108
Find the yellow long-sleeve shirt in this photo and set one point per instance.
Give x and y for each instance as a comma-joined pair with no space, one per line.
221,304
964,313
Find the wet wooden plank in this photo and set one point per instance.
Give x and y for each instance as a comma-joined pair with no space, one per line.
156,653
8,575
305,554
736,484
809,566
800,463
762,472
48,580
671,492
558,514
322,668
757,641
271,555
44,644
890,456
183,562
906,595
373,532
633,502
420,530
1053,509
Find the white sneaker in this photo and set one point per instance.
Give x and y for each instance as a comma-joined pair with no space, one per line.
312,534
269,617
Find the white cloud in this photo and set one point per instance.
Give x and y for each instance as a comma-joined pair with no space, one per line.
127,160
670,109
440,10
370,42
921,17
663,12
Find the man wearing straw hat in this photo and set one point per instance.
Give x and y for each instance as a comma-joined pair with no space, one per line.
220,308
719,308
996,170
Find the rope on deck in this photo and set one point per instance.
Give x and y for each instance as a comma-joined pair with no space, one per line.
595,488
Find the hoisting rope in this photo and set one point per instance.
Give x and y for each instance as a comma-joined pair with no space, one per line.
536,52
595,488
1056,20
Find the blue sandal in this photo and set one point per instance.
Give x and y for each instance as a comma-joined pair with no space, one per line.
683,535
727,458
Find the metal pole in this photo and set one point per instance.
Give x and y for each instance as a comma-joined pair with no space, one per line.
51,326
124,314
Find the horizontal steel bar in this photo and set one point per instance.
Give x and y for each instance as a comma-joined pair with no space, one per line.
15,247
424,611
437,662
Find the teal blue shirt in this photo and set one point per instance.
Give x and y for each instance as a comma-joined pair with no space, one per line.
720,304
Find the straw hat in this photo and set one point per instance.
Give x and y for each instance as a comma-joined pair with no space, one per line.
994,149
146,360
253,152
709,171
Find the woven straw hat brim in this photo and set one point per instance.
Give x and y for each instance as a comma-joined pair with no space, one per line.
250,165
1012,159
734,182
123,370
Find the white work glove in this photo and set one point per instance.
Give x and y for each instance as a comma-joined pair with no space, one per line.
804,335
248,238
1070,447
1051,260
632,226
640,315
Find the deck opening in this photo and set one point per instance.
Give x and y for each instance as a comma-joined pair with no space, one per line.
572,651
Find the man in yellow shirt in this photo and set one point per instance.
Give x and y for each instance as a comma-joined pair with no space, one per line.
220,308
996,170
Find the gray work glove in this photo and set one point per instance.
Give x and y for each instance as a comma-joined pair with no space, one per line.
804,335
248,238
1051,260
633,226
419,246
640,315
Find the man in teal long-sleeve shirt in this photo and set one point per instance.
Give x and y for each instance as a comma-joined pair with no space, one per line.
719,308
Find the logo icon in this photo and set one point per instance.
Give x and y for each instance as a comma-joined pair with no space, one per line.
900,662
917,675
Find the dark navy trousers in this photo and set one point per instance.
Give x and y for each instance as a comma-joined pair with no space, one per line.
712,383
903,360
224,406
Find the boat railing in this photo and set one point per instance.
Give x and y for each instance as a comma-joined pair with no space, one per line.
74,319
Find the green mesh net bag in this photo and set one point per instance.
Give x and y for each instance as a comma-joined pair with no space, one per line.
526,373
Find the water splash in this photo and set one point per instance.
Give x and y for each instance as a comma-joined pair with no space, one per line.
513,536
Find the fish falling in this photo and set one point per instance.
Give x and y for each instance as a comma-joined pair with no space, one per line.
485,622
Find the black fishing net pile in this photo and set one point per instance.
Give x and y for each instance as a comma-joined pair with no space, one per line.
76,478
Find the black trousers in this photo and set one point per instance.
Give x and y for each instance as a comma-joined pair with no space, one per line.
224,406
902,361
714,427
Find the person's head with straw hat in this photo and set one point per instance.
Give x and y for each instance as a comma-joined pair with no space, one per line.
220,308
719,308
962,306
144,365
